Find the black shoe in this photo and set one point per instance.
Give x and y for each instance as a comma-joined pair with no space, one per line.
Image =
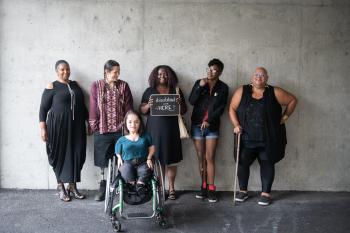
202,193
212,196
241,196
140,189
100,195
264,200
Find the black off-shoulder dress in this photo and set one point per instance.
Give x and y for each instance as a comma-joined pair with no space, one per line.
64,111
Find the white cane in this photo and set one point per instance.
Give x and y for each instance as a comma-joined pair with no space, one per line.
236,171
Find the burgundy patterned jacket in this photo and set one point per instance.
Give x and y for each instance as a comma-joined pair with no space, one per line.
109,106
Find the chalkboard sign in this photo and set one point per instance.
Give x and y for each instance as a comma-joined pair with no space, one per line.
165,105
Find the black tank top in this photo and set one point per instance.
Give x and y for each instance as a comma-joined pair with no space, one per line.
254,124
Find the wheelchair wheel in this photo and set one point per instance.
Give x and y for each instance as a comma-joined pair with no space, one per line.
161,189
110,178
116,224
116,198
163,224
161,220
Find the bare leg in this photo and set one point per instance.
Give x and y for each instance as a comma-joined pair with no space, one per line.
210,145
171,174
200,149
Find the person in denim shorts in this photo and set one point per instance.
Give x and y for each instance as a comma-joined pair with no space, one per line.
209,98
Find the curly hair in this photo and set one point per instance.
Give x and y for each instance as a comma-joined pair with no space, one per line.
172,78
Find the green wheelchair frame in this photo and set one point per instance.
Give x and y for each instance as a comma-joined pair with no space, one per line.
115,190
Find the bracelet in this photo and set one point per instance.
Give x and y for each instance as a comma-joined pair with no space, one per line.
285,117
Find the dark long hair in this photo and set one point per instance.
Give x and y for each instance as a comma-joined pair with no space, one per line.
142,126
172,78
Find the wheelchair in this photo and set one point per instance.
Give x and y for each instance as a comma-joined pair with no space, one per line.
118,192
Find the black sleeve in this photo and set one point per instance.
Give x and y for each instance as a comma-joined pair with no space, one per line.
195,93
183,105
129,101
146,95
45,105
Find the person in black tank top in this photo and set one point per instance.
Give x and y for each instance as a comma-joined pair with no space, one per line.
254,135
256,113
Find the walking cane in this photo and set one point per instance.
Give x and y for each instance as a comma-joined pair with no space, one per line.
236,170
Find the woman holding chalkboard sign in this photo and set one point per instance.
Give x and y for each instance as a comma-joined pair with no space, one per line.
164,130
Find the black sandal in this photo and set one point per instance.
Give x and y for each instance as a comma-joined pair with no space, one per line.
62,193
172,195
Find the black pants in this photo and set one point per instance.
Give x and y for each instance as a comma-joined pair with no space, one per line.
267,168
135,170
104,148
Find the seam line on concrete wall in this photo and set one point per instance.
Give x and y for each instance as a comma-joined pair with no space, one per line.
301,40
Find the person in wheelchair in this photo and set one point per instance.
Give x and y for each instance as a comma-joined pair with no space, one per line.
135,151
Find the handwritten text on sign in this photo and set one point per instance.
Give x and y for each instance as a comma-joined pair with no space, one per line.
165,105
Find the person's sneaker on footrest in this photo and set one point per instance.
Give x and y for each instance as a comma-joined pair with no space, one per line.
202,193
241,196
264,200
212,196
140,189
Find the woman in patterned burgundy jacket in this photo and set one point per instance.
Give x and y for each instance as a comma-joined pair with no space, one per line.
110,100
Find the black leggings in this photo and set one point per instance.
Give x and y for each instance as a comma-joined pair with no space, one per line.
267,168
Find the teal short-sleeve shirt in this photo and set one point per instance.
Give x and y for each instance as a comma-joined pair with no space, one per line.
133,149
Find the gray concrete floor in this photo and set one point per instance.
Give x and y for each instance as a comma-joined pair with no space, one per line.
291,212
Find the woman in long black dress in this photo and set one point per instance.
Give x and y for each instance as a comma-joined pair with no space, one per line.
62,123
164,129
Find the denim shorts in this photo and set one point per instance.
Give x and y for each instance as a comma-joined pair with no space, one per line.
198,134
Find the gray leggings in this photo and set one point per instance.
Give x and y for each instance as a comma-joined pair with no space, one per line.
133,170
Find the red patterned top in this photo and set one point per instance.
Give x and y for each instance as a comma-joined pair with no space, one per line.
108,106
111,105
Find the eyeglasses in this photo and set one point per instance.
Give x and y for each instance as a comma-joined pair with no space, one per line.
259,75
212,70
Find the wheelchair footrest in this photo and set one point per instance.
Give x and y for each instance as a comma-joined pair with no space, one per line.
137,215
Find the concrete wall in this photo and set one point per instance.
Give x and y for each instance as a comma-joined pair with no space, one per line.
304,44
